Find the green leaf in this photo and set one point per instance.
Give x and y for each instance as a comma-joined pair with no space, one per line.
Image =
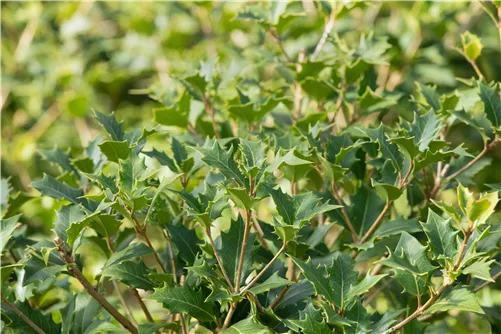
241,198
472,46
48,186
249,325
441,236
111,125
459,298
317,275
430,96
186,242
131,171
6,271
299,209
388,319
115,150
216,157
65,217
360,319
231,248
8,226
388,192
398,226
389,151
129,253
273,282
363,286
171,116
366,205
409,255
480,269
489,94
249,113
342,278
36,269
61,158
424,129
185,299
134,274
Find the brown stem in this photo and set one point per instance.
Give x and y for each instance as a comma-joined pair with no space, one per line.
467,234
172,258
374,226
210,111
487,147
22,315
254,280
218,259
124,304
483,285
345,214
274,34
402,184
260,234
421,309
143,306
75,272
280,296
141,230
227,320
243,248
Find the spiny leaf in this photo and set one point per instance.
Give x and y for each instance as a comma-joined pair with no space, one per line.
111,125
441,236
489,94
185,299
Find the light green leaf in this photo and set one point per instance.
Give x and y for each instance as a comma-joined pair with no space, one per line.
115,150
480,269
459,298
249,325
273,282
8,226
132,251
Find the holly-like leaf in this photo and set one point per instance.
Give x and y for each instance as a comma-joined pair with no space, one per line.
186,242
441,236
216,157
49,186
489,94
273,282
389,151
115,150
299,209
111,125
134,274
317,275
129,253
60,158
458,298
231,248
424,129
8,226
185,299
480,269
249,325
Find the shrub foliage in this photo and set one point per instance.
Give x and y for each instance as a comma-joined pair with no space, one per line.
301,198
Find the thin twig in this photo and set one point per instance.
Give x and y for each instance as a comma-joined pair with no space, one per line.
328,29
227,320
277,38
483,285
487,147
254,280
420,310
22,315
218,259
280,296
124,304
345,214
143,306
243,248
209,109
75,272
